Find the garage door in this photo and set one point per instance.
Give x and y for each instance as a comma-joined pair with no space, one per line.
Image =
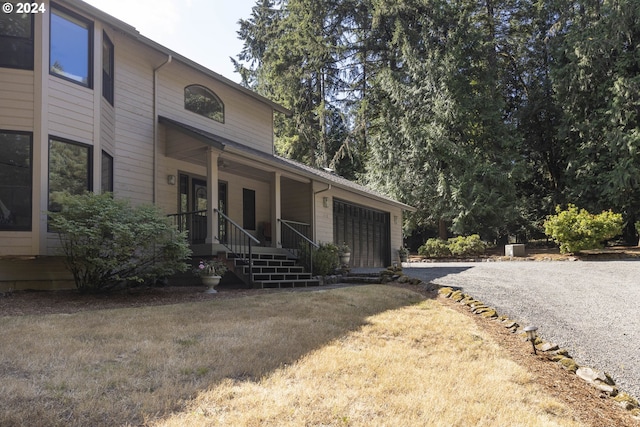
365,230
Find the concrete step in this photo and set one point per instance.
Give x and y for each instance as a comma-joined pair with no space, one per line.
274,262
273,270
262,256
273,277
287,283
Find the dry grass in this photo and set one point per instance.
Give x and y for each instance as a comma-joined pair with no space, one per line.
362,356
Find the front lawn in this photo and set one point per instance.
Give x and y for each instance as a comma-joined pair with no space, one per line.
359,356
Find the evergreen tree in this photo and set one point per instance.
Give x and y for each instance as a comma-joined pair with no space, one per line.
598,85
484,115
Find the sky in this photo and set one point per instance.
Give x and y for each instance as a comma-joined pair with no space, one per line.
202,30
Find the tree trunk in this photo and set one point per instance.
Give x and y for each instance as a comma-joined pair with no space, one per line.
442,230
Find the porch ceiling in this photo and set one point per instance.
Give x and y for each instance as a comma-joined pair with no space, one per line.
190,144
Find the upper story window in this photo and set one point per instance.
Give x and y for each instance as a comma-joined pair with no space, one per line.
70,55
202,101
16,40
107,68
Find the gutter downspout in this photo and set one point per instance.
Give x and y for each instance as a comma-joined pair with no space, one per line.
314,209
155,127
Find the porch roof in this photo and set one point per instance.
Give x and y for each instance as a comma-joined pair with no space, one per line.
208,138
278,162
337,180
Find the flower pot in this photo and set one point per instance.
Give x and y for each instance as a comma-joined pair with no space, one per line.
211,282
344,258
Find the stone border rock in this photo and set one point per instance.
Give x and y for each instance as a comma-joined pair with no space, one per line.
598,379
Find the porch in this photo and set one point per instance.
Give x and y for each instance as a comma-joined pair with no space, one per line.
233,199
256,263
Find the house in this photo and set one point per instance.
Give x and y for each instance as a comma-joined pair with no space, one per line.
88,103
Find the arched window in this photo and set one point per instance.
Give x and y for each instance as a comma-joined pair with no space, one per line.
202,101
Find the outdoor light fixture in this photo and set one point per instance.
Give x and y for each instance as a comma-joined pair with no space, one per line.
325,202
531,336
395,265
171,179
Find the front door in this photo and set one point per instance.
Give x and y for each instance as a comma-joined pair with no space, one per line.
193,207
199,208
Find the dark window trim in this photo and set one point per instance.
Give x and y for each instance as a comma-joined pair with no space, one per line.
69,141
108,92
89,24
104,153
30,134
30,39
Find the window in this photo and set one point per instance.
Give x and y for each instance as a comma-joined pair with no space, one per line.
15,180
248,209
69,170
107,68
70,55
107,173
16,40
202,101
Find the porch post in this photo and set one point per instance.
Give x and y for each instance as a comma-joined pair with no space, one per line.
212,195
276,210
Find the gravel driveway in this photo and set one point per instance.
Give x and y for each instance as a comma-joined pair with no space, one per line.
591,308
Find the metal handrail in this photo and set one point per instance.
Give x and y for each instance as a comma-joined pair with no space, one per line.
240,240
302,241
246,233
287,223
185,221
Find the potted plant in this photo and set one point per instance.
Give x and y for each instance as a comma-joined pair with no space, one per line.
403,254
344,252
211,272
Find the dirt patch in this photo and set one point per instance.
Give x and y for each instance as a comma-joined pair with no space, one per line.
22,303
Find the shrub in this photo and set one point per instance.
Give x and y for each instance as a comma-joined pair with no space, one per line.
325,259
456,246
434,248
466,246
576,229
106,242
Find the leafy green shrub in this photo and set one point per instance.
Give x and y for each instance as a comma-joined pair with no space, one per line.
456,246
325,259
576,229
434,248
466,246
106,242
